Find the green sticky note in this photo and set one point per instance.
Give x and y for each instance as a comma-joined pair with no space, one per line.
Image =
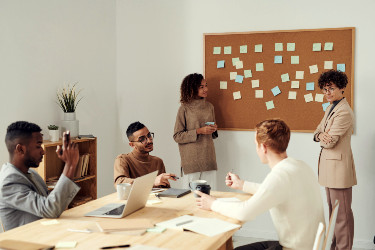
227,50
217,50
243,49
235,60
66,244
156,229
259,67
294,59
247,73
278,46
285,77
258,48
270,105
317,47
328,46
291,47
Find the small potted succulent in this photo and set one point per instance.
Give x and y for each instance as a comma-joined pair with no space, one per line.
53,132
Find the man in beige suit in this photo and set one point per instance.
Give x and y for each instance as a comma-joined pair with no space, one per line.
336,165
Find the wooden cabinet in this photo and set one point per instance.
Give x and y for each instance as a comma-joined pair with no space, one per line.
51,168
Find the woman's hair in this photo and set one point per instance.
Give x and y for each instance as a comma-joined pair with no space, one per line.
190,86
274,133
333,76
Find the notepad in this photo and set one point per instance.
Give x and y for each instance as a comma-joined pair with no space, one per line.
174,192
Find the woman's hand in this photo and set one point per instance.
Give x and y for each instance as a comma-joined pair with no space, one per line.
207,130
325,137
204,201
233,181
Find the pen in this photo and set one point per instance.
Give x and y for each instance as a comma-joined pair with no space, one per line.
184,222
110,247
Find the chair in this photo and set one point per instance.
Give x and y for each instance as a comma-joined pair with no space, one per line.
320,237
331,226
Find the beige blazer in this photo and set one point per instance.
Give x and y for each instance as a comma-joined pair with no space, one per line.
336,165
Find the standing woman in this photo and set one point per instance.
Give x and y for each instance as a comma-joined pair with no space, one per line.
336,168
193,135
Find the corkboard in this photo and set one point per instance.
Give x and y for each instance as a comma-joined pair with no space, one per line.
245,113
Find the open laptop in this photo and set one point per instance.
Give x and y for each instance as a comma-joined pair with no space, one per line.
137,199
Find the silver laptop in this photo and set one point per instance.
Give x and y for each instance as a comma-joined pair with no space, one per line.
137,199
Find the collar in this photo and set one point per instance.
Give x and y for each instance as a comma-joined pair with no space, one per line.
140,156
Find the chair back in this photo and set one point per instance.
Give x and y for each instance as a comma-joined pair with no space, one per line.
331,226
320,237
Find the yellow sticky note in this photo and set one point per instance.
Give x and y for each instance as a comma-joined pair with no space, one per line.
243,49
227,50
258,93
319,97
309,97
278,46
270,105
294,60
292,95
217,50
259,67
285,77
50,222
66,244
313,69
232,75
290,46
317,47
235,60
258,48
328,64
299,75
223,85
328,46
239,65
248,73
295,85
237,95
255,83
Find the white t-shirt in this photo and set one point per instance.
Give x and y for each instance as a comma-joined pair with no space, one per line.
291,192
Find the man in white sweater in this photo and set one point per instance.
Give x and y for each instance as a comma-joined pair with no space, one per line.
290,191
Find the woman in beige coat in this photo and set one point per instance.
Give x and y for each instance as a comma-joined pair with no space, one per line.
194,130
336,165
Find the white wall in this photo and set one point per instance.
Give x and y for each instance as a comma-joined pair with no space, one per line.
45,44
159,42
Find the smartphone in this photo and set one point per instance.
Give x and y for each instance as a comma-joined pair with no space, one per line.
210,123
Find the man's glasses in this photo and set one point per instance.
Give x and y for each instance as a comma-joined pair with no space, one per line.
143,139
330,90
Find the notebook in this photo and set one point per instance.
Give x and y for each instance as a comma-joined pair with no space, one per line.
138,196
174,192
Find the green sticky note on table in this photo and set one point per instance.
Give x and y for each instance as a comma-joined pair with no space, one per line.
258,48
227,50
328,46
156,229
278,46
294,59
317,47
290,46
259,67
247,73
217,50
243,49
66,244
270,105
285,77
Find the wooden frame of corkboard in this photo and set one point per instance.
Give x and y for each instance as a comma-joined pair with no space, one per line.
245,113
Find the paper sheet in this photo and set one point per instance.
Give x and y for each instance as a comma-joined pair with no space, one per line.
341,67
237,95
276,91
299,75
278,59
259,67
258,48
239,78
278,46
328,46
294,60
285,77
319,97
309,97
313,69
290,46
217,50
223,85
239,65
259,93
220,64
233,75
292,95
248,73
243,49
295,85
309,86
255,83
328,64
270,105
227,50
317,47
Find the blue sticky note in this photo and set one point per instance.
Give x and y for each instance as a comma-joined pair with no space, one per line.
310,86
325,106
341,67
239,79
278,59
220,64
276,91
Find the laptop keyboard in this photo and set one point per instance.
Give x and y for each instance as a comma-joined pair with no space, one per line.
116,211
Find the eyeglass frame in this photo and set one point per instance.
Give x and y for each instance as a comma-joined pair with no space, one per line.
330,90
147,137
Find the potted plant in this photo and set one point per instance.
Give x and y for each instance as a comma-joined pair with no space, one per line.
53,132
67,99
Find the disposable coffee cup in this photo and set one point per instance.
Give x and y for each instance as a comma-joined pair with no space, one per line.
123,190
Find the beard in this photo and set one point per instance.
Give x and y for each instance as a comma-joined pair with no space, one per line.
30,162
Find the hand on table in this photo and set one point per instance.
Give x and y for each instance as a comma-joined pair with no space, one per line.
205,201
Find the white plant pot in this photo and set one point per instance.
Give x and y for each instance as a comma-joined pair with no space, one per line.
70,123
54,135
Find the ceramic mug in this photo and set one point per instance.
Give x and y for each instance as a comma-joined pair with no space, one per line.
200,185
123,190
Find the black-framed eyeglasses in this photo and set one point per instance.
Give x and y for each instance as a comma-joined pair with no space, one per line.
143,139
330,90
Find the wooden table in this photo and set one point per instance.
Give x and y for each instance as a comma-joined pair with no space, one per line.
168,209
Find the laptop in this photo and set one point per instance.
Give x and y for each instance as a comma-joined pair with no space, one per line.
137,199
